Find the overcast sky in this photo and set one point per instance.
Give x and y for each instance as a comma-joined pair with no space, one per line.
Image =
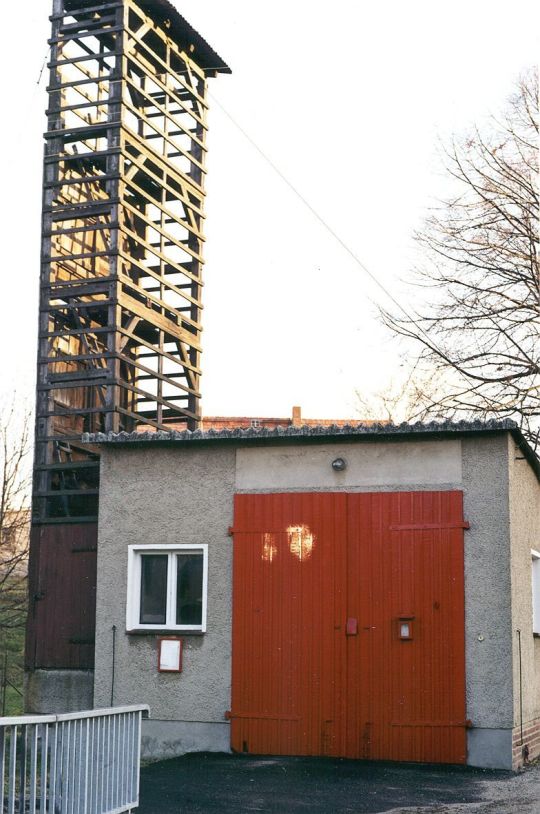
349,100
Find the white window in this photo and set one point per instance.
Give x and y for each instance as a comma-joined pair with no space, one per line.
167,588
536,590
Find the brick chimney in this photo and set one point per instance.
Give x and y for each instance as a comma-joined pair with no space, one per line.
297,416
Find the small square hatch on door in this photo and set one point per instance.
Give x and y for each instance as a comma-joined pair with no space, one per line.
352,626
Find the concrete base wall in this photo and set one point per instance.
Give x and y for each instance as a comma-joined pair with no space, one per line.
489,748
57,691
166,739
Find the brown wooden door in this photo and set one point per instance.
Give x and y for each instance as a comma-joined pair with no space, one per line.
348,625
62,614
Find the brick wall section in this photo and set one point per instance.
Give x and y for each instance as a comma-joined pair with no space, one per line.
296,420
531,739
246,422
243,422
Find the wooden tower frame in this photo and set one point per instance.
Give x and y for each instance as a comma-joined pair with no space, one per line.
122,242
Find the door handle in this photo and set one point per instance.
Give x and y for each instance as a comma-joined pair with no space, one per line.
352,626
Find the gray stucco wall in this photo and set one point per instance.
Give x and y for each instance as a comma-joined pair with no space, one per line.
488,629
186,496
390,465
525,535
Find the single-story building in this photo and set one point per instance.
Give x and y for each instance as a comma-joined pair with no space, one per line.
369,592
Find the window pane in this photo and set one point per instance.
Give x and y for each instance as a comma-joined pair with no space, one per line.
189,589
154,589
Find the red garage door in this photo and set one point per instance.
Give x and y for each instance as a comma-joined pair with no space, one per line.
348,626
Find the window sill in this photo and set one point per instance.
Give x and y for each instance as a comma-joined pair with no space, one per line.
141,631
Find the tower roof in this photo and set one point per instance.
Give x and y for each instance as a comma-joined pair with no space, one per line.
179,29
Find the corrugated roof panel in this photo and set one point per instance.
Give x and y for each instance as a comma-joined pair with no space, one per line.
309,431
184,33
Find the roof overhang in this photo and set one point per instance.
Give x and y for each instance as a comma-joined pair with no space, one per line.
178,29
362,433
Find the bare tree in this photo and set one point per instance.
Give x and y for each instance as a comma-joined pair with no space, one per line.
399,400
478,327
14,517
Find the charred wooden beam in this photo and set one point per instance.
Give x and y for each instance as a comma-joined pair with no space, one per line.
122,238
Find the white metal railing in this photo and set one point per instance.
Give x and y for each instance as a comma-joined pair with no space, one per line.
79,763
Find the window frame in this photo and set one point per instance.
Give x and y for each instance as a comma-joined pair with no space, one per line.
535,586
133,604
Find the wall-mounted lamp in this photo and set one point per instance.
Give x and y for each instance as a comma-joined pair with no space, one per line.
339,464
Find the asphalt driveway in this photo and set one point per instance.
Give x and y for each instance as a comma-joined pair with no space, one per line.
211,783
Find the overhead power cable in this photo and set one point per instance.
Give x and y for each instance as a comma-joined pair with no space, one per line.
325,224
43,66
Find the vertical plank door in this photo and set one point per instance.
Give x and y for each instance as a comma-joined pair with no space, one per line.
406,667
348,625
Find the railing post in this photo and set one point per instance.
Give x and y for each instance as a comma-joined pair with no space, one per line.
4,684
22,766
44,769
12,770
32,795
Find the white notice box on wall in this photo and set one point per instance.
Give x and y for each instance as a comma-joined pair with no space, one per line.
169,655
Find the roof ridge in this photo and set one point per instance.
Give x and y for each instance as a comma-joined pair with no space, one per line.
305,430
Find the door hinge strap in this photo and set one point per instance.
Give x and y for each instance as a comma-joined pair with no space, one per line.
461,524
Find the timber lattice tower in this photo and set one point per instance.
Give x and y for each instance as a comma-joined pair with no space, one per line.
121,278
